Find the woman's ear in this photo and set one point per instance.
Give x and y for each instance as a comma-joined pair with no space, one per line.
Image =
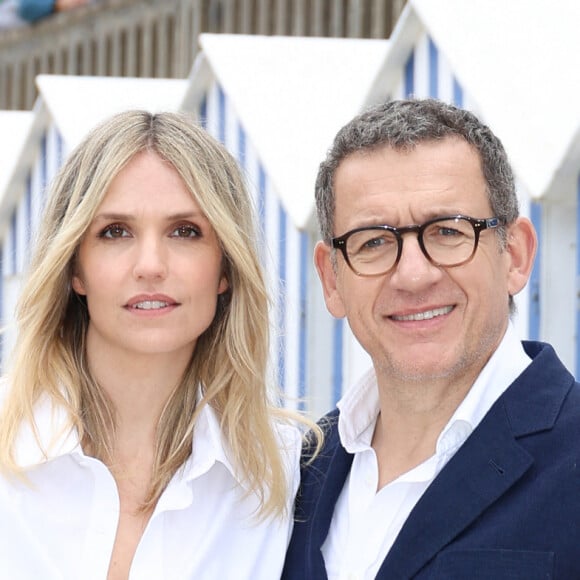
521,246
223,285
78,285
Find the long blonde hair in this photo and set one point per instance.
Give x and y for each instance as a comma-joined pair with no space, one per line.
230,359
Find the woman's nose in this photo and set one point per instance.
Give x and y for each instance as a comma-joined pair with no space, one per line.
150,258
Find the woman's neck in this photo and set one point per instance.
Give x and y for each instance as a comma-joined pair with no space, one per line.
137,385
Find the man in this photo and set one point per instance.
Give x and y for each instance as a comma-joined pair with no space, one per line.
458,455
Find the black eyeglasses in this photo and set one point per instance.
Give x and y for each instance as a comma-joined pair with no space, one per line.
445,241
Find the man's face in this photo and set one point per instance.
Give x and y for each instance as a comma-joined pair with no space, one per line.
421,322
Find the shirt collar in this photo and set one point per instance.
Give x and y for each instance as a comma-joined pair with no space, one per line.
359,407
57,438
506,364
208,448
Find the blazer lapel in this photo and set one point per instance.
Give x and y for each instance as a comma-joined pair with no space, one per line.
331,484
483,469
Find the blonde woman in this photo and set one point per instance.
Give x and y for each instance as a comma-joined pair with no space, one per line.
137,436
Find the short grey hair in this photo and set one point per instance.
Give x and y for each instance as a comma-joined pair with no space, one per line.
402,125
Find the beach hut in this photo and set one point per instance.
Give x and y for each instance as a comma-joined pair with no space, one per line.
276,102
33,145
514,64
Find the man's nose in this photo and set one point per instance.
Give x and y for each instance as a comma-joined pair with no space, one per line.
414,270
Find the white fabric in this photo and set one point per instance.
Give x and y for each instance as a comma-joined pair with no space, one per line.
63,527
366,523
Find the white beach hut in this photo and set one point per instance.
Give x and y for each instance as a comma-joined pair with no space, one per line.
16,185
32,147
277,102
515,65
278,120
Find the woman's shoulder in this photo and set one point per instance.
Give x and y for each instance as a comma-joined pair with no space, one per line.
47,434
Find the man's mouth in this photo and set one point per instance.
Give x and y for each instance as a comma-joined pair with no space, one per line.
425,315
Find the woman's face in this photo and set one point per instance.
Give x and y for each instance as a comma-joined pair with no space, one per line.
149,265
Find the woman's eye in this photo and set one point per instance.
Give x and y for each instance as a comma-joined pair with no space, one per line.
186,231
114,231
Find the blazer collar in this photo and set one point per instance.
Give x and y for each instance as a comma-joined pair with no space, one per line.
536,408
488,464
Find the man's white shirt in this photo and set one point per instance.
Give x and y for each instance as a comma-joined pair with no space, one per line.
366,523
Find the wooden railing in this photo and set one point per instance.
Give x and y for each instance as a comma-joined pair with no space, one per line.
158,38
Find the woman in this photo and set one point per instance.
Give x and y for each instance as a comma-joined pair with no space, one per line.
137,438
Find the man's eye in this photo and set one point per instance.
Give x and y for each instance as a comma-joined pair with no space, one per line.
374,243
384,242
449,232
186,231
114,231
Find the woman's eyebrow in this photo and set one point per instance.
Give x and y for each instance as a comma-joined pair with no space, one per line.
119,216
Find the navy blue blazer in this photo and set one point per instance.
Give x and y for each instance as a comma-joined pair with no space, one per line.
507,505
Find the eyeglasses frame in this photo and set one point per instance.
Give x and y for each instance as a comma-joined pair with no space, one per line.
478,224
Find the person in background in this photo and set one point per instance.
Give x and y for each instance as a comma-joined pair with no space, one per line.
34,10
138,437
458,454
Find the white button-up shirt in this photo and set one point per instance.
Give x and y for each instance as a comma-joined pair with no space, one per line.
63,525
366,523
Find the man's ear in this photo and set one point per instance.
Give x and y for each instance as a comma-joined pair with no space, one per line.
328,278
521,247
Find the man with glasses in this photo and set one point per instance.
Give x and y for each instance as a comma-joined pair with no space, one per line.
458,454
